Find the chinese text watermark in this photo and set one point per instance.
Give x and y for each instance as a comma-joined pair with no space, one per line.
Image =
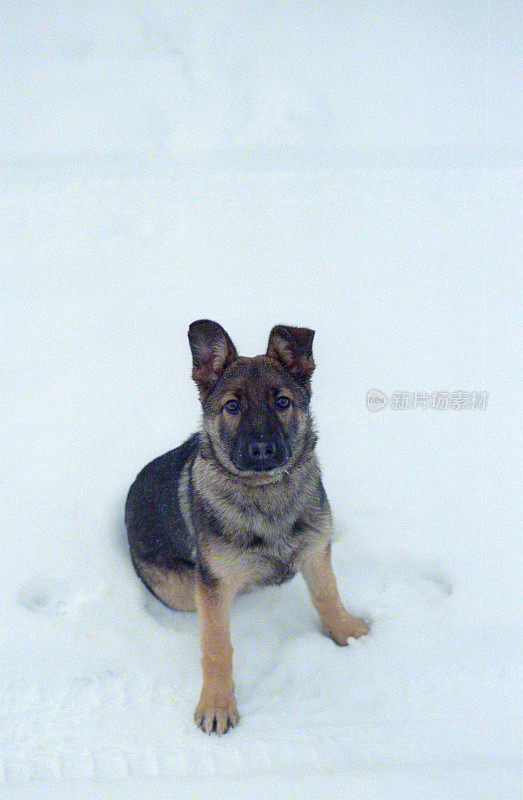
438,401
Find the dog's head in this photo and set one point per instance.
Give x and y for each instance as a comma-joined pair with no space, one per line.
255,410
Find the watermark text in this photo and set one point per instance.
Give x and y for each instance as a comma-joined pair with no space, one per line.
458,400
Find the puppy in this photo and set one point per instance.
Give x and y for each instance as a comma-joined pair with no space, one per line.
239,504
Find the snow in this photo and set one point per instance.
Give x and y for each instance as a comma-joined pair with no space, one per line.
350,167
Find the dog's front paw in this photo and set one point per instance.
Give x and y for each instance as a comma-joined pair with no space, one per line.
216,713
344,627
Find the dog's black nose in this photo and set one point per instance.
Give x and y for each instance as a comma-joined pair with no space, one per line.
259,451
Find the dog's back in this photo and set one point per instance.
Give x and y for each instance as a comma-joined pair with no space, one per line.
161,541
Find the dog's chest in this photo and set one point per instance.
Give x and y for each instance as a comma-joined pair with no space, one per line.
262,533
271,548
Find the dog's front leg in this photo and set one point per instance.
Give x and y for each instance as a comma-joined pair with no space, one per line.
216,710
316,567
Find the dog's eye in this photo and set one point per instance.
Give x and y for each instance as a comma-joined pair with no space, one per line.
232,406
283,402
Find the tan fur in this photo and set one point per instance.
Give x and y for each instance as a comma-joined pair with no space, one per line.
216,709
174,588
231,565
336,621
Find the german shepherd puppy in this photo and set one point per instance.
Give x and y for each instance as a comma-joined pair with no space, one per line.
240,504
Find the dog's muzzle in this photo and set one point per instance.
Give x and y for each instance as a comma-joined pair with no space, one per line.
262,455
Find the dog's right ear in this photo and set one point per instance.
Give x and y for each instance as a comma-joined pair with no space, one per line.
212,351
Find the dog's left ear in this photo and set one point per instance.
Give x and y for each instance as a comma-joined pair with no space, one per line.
292,347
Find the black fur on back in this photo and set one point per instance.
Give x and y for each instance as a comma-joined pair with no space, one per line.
155,526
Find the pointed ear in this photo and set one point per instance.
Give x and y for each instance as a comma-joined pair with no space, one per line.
212,351
292,347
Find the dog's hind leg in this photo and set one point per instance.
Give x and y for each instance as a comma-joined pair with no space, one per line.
174,586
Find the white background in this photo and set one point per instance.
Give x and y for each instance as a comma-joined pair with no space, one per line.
350,167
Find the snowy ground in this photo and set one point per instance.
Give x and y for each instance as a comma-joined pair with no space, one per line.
346,166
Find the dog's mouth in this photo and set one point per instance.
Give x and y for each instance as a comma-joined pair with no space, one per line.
254,466
270,464
259,453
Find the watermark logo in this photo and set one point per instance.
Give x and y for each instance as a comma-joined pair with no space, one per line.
376,400
459,400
